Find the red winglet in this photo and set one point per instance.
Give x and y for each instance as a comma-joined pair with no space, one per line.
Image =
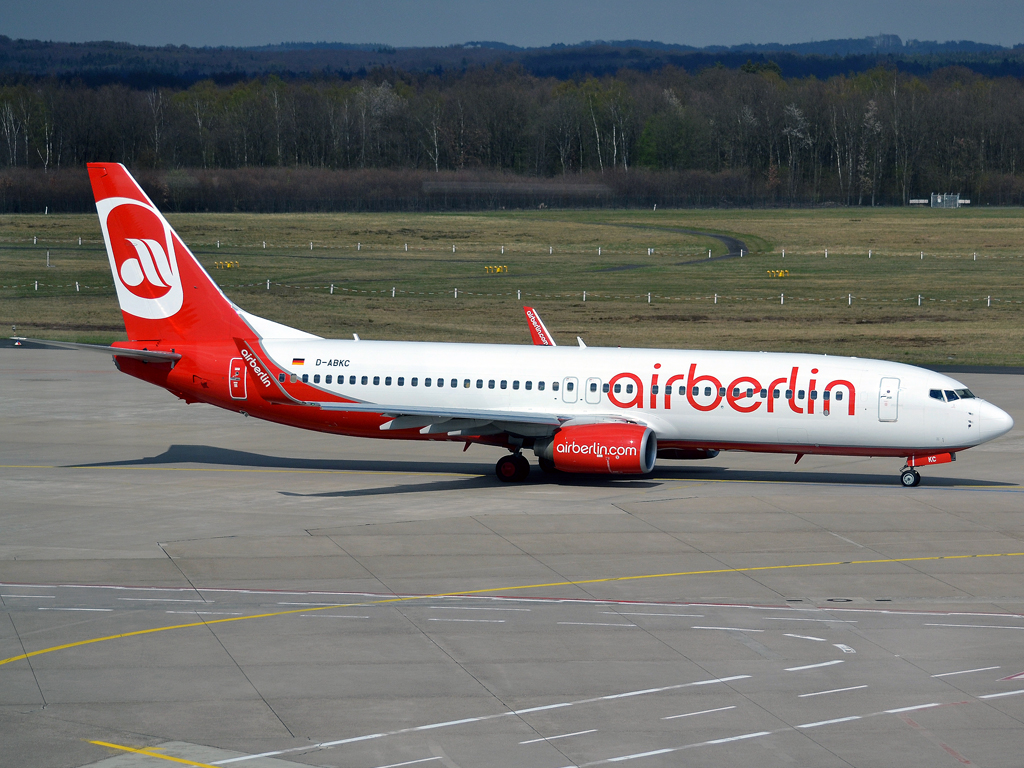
539,331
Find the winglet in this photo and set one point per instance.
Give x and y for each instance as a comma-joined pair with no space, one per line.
539,331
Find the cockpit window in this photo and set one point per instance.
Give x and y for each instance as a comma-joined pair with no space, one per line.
935,394
964,394
951,396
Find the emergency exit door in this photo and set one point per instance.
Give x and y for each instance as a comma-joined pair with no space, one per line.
888,399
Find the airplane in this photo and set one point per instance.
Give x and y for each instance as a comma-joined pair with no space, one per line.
602,411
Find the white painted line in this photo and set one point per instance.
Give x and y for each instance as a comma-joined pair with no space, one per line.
806,637
830,722
472,621
966,671
541,709
562,736
815,666
339,605
1000,695
680,615
208,613
432,726
737,738
46,597
163,600
329,616
101,610
844,648
411,762
974,626
910,709
731,629
834,690
830,621
593,624
466,608
702,712
628,694
336,743
638,755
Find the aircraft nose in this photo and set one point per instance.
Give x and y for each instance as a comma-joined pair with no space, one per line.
994,421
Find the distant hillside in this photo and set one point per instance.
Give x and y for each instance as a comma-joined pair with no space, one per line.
96,63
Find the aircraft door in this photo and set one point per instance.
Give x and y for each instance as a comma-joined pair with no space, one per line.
236,378
593,391
570,387
888,399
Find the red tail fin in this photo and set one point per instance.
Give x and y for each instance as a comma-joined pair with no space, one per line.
164,293
538,331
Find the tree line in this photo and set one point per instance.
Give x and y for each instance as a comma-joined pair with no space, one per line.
742,136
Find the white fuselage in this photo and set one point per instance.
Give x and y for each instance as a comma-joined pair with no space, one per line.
743,400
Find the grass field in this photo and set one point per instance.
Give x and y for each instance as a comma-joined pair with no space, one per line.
846,304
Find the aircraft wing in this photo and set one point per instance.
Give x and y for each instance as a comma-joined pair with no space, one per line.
149,355
538,331
464,421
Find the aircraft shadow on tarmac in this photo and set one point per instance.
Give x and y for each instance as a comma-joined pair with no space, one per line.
483,477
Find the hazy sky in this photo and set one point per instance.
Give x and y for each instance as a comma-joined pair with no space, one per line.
519,22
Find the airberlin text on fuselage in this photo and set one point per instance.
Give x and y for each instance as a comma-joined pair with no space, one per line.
737,401
257,369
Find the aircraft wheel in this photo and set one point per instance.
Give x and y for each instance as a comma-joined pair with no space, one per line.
910,479
508,469
522,467
546,466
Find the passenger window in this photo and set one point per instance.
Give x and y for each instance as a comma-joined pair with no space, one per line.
629,389
750,392
554,386
414,381
950,395
480,383
654,389
721,392
775,394
316,378
569,386
604,388
707,391
351,380
529,385
363,381
696,391
593,386
455,382
401,381
504,384
426,382
281,377
800,395
540,386
764,393
305,378
839,395
515,384
387,381
328,379
618,388
465,384
935,394
376,381
814,394
490,384
789,394
735,391
826,395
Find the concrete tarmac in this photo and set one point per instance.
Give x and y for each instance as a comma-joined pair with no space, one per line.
184,586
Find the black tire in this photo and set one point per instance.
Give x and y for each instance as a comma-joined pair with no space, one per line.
909,478
522,467
917,480
507,469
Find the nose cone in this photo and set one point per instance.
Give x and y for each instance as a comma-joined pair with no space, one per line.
994,422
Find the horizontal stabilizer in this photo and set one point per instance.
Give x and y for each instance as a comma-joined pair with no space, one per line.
149,355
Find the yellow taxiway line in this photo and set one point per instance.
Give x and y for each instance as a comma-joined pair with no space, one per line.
147,753
638,577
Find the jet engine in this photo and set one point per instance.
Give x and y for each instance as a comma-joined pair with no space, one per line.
607,448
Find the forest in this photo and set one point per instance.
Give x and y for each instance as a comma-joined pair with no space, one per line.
500,136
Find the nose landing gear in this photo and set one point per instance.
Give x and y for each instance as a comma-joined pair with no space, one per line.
910,478
513,468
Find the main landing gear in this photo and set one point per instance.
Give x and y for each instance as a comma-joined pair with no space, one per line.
910,478
513,468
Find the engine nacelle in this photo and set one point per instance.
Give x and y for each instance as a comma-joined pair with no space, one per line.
608,449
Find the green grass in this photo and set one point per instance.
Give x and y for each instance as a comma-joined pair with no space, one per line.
953,324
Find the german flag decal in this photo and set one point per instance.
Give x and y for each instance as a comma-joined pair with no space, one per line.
298,361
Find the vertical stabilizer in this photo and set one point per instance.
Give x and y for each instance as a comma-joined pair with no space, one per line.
164,293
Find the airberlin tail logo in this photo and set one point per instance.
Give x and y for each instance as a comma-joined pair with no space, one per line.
140,245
